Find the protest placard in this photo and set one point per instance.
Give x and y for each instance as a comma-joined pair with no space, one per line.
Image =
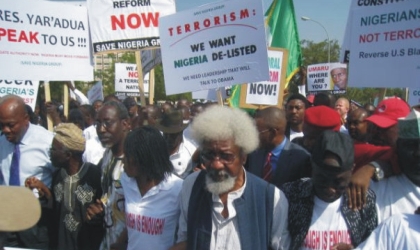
214,45
149,59
385,44
414,96
126,25
126,80
44,40
330,77
267,92
96,92
318,77
26,89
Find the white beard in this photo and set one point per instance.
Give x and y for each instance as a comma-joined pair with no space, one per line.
220,187
108,145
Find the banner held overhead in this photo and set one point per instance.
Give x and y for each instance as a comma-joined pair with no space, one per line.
126,25
44,40
215,45
384,45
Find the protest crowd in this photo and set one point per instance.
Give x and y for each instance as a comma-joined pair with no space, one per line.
315,174
305,169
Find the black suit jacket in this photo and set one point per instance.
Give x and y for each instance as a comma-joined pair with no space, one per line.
292,164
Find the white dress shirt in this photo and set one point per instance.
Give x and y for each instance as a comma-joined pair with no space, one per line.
34,156
225,232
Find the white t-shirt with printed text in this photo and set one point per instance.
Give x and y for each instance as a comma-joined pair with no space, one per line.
151,219
328,226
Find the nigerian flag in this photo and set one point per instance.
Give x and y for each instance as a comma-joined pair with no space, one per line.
282,32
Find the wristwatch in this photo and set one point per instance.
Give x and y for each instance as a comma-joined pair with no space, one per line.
379,173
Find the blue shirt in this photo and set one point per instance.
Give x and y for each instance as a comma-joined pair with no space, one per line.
34,156
275,154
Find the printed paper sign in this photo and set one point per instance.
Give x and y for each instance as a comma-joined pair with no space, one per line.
44,40
26,89
215,45
385,45
414,96
327,77
149,59
127,82
126,25
267,93
96,92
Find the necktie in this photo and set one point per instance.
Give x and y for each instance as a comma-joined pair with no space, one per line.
14,167
267,170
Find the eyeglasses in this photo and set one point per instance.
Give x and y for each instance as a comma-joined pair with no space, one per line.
263,131
227,158
337,75
105,124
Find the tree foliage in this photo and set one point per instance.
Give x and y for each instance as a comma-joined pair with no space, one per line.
313,53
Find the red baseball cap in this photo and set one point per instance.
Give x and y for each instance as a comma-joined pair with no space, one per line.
388,111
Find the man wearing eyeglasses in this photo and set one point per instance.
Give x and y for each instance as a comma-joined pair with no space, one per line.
287,161
223,206
24,153
112,126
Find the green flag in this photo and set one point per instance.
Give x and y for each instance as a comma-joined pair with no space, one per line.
281,32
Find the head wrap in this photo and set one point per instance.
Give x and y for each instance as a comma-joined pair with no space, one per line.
70,136
337,143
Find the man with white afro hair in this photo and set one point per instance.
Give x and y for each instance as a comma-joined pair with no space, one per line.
224,199
219,122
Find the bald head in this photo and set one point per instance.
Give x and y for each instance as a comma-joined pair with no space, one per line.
153,113
273,118
13,102
342,105
359,113
14,119
369,108
271,125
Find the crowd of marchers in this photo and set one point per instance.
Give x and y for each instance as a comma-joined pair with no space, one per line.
317,173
